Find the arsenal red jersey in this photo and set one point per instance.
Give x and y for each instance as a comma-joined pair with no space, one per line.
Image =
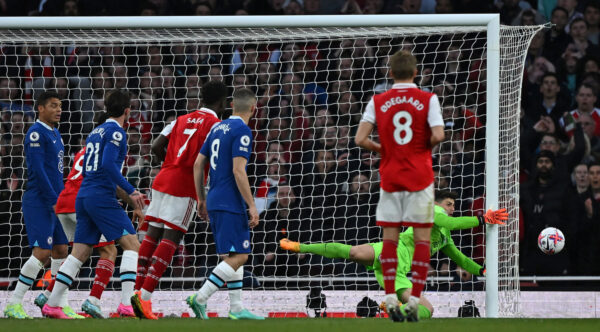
186,135
595,115
66,199
404,116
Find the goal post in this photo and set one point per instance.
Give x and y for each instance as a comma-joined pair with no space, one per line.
314,75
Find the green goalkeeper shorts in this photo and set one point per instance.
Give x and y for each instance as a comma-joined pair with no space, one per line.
404,263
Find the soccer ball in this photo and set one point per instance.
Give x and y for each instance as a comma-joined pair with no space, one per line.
551,241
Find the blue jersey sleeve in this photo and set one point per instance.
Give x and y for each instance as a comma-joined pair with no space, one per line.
205,149
242,144
36,145
109,164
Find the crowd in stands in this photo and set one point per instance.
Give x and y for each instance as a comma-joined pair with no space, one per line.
311,183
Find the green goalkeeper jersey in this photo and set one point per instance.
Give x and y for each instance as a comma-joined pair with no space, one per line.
440,240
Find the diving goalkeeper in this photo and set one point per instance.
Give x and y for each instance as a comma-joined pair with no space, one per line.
366,254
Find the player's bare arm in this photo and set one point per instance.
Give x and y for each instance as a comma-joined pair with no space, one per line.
159,147
241,179
362,137
138,215
437,135
199,183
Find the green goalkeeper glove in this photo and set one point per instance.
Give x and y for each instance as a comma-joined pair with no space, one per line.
493,217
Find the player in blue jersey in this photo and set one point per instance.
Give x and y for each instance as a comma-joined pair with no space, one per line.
44,152
98,211
227,150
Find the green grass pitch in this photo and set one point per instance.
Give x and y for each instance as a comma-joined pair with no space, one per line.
301,325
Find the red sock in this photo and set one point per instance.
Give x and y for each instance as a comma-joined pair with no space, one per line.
389,264
104,270
160,261
51,284
420,266
145,253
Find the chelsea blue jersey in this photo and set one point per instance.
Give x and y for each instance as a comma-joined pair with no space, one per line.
44,153
105,151
228,139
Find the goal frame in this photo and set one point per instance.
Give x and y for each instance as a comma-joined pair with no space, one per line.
490,21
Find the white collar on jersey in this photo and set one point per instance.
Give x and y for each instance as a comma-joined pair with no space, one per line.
113,120
236,117
45,125
403,85
208,110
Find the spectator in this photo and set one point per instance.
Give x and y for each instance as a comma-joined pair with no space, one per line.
579,34
267,188
556,38
571,7
549,101
281,221
543,200
591,15
586,99
11,99
589,248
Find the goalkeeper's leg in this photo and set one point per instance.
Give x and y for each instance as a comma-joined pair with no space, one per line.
363,254
425,308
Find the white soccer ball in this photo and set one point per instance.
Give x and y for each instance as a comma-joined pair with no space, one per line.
551,241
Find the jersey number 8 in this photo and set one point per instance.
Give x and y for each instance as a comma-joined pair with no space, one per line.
402,127
214,153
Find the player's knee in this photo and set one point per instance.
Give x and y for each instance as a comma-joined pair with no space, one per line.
60,251
108,252
43,255
129,242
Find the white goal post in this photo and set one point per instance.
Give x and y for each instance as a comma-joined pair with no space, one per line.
493,100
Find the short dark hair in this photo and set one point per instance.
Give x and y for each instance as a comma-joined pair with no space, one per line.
593,4
441,195
579,19
45,96
551,74
560,9
213,92
588,86
116,102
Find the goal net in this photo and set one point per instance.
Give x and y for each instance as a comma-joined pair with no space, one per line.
310,181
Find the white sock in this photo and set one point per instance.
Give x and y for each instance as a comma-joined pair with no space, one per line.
146,295
235,290
55,265
128,270
64,278
29,273
94,300
217,278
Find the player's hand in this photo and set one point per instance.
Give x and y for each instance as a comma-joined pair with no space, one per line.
139,217
253,217
495,217
138,199
202,213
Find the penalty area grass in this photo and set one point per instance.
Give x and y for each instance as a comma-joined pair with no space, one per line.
299,325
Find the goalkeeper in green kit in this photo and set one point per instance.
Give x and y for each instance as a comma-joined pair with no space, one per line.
368,254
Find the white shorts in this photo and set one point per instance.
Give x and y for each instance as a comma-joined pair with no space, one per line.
406,208
69,223
171,211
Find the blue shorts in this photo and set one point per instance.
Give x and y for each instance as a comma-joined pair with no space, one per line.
43,228
230,231
98,216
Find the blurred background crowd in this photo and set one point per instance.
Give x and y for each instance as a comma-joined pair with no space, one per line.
310,181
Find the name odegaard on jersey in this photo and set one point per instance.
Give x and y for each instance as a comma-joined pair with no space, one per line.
402,100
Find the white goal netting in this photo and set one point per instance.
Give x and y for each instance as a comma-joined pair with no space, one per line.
310,181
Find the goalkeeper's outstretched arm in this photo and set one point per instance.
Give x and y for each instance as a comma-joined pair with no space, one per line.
462,260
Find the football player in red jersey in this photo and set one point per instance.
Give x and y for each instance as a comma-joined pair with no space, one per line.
173,201
409,122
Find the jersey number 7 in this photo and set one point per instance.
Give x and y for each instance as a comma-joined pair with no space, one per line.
189,132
